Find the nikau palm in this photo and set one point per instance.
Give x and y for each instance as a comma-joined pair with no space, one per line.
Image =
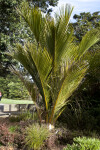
54,61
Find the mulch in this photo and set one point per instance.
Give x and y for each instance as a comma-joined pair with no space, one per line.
7,122
6,148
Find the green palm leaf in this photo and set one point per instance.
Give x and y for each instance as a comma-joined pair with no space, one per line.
43,63
91,37
35,22
23,55
70,82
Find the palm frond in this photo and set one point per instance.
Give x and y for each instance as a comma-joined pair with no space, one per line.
64,33
33,16
58,36
69,84
23,55
43,63
91,37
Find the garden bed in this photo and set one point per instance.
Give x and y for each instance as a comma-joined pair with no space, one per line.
13,135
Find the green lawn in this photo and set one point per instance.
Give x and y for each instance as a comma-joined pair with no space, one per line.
11,101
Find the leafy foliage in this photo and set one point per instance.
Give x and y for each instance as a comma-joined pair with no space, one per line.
44,4
84,143
12,87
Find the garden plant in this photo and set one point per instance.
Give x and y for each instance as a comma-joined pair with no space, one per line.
53,60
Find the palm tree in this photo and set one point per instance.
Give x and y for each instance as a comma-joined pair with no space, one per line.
54,61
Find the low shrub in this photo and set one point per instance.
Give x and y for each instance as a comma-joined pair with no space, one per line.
23,116
73,147
36,135
88,143
19,140
26,116
14,119
84,143
6,138
13,135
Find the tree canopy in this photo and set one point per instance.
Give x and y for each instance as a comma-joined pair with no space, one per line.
11,30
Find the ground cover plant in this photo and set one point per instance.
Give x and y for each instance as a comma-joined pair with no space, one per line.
84,143
11,134
55,62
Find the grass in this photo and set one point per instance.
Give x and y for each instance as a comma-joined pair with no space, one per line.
11,101
36,136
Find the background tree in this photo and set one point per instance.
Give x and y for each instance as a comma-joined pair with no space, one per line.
85,22
56,64
44,4
13,29
9,22
13,88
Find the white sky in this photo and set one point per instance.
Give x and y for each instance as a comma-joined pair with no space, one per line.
81,5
